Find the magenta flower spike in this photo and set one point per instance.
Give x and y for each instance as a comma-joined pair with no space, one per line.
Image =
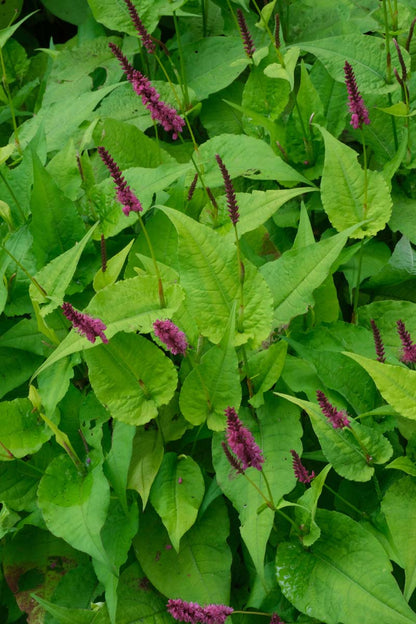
140,28
185,611
85,325
159,111
241,442
229,191
408,347
192,612
275,619
245,34
171,336
301,473
358,110
378,342
124,194
337,418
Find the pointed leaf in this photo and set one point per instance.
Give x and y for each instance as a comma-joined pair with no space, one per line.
117,461
114,266
132,377
146,459
176,494
345,572
264,368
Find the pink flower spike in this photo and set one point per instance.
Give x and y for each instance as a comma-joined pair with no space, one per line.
378,342
140,28
275,619
185,611
229,191
301,473
171,336
124,194
245,34
85,325
216,613
241,442
159,111
409,348
338,419
358,110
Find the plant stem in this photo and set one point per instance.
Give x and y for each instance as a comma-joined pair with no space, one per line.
22,268
152,253
387,34
361,252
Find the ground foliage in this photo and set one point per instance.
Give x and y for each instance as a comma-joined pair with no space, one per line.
286,278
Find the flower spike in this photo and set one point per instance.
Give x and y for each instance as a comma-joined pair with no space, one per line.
378,342
124,194
171,336
85,325
159,111
337,418
140,28
193,613
409,348
241,442
358,110
275,619
245,34
229,191
301,473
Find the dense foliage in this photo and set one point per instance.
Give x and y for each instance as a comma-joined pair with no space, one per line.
208,306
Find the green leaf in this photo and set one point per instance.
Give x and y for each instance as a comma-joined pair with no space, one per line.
399,508
6,33
56,226
403,463
16,366
116,17
56,276
351,450
117,461
22,432
264,368
145,462
294,276
53,383
18,484
113,270
65,615
75,506
210,276
132,377
213,383
345,572
276,70
395,383
343,195
72,11
276,432
129,306
244,156
365,54
309,500
176,495
257,207
119,529
202,567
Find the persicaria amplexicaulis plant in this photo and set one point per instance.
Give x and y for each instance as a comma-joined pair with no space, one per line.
229,191
337,418
166,115
245,34
171,336
241,442
125,195
378,342
408,355
358,110
84,324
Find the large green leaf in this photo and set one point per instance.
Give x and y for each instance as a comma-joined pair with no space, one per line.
129,306
294,276
22,432
213,383
132,377
56,276
114,14
209,273
119,529
264,368
353,450
276,432
16,366
117,461
345,572
395,383
145,462
399,507
74,506
342,190
176,494
364,53
200,572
